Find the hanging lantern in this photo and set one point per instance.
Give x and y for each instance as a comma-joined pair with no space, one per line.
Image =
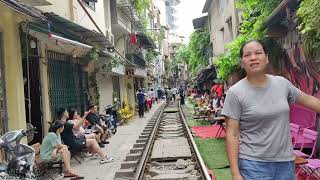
133,38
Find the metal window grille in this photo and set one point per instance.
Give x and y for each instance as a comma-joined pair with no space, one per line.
67,83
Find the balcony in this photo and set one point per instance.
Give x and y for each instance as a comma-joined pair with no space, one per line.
127,8
137,60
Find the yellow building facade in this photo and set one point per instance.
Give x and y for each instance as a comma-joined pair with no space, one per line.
12,68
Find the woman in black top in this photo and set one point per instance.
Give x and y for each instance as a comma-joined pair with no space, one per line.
79,144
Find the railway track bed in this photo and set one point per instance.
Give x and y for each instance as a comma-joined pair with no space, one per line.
165,150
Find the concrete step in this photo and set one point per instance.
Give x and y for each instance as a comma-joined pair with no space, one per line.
136,150
140,145
133,156
142,140
129,164
145,133
143,136
125,173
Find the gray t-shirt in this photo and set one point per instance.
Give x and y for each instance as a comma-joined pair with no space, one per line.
264,118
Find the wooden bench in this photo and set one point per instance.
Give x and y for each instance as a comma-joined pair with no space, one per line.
42,168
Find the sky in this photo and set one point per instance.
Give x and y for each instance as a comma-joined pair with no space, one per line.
187,11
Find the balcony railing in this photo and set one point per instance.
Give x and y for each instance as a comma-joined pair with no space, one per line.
127,8
137,60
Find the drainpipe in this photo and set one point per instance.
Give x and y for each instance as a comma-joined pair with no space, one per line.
85,10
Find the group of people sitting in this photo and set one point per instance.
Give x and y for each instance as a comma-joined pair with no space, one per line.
72,132
207,103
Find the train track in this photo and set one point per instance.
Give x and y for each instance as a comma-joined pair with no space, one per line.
165,150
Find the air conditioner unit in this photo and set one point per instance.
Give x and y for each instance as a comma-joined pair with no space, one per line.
110,37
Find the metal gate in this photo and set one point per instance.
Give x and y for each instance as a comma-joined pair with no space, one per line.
3,104
67,83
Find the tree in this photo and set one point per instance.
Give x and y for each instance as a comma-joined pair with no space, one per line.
183,54
195,53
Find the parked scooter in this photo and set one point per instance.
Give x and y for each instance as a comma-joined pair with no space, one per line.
19,157
110,118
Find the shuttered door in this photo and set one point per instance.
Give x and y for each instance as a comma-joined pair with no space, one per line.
67,83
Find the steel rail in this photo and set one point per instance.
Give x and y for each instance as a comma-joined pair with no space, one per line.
194,146
144,158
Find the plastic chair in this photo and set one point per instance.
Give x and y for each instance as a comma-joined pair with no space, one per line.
310,168
311,136
294,129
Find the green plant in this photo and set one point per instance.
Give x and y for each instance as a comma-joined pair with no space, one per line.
92,55
141,6
112,64
309,16
195,53
94,89
184,54
255,13
151,55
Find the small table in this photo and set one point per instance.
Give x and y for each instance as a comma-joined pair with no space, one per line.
221,121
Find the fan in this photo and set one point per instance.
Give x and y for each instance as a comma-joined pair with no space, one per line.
30,135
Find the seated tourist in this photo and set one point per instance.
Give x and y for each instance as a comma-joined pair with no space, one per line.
53,150
96,122
78,144
78,128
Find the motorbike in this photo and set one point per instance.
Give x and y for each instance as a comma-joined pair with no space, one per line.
110,118
19,157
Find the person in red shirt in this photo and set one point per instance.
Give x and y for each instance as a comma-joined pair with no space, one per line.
217,88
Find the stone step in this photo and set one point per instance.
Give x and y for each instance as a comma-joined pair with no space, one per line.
125,173
136,150
140,145
129,164
142,140
145,133
143,136
133,156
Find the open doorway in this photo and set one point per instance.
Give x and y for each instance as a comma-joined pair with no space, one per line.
33,99
32,88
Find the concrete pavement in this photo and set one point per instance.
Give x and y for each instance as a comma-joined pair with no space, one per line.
119,147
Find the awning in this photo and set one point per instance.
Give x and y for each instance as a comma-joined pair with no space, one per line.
200,22
206,6
279,13
58,43
146,41
207,74
24,9
87,36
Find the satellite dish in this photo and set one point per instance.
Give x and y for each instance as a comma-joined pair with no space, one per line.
30,135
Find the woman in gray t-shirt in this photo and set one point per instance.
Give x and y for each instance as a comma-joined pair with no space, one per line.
257,116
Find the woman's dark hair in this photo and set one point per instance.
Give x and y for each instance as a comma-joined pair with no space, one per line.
60,112
90,106
253,40
56,125
72,111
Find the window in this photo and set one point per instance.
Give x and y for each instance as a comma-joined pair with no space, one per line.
229,24
90,3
